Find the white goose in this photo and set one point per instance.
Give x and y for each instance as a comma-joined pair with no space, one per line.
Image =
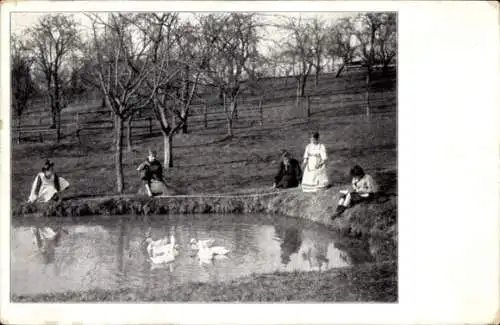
206,253
161,252
195,244
155,244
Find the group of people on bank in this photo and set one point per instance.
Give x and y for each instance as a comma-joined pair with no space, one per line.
311,176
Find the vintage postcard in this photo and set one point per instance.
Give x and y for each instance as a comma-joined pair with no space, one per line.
249,162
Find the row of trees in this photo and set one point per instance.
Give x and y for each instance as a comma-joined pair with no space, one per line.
158,61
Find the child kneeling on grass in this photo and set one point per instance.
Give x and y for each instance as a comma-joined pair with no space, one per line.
152,176
364,189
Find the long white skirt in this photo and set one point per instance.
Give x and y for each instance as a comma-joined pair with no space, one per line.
314,179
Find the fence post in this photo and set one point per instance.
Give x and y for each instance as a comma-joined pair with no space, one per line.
261,112
235,108
205,115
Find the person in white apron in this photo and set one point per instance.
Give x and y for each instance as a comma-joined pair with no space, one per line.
315,175
47,185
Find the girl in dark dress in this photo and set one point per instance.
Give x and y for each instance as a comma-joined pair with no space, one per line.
289,174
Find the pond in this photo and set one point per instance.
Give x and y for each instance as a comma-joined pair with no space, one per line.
111,254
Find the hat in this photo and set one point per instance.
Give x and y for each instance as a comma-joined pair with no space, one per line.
47,165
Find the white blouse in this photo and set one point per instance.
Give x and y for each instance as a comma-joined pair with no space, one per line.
365,185
315,150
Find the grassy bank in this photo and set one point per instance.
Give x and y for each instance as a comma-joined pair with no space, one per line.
367,283
368,219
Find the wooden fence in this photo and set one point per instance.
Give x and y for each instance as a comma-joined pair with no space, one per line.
251,111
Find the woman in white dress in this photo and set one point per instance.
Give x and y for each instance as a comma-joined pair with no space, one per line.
315,175
47,185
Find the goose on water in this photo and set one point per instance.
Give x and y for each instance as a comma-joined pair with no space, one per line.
195,244
162,251
154,244
208,253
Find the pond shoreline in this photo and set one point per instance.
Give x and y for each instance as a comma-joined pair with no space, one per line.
374,219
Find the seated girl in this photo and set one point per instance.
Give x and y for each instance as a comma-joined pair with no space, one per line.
289,174
152,176
364,189
47,185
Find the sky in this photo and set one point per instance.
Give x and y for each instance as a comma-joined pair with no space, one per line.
20,21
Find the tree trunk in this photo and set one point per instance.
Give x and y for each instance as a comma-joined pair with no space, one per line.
185,97
167,144
129,133
184,123
19,129
53,113
230,126
57,98
297,99
385,69
367,95
119,153
303,86
58,124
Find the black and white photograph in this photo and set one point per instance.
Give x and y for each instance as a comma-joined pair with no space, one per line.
249,162
204,157
165,156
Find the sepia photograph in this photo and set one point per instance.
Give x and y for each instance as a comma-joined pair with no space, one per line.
204,157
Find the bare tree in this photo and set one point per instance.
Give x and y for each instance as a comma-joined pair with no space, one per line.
121,70
340,45
234,38
160,29
52,39
386,40
299,47
366,35
194,53
318,34
22,85
178,55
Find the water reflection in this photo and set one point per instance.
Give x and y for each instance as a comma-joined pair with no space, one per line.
113,255
290,242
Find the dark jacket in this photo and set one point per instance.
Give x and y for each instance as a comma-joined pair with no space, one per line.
288,177
151,170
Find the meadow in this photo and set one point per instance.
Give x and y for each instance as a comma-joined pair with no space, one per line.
207,161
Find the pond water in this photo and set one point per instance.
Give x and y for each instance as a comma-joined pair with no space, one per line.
112,255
